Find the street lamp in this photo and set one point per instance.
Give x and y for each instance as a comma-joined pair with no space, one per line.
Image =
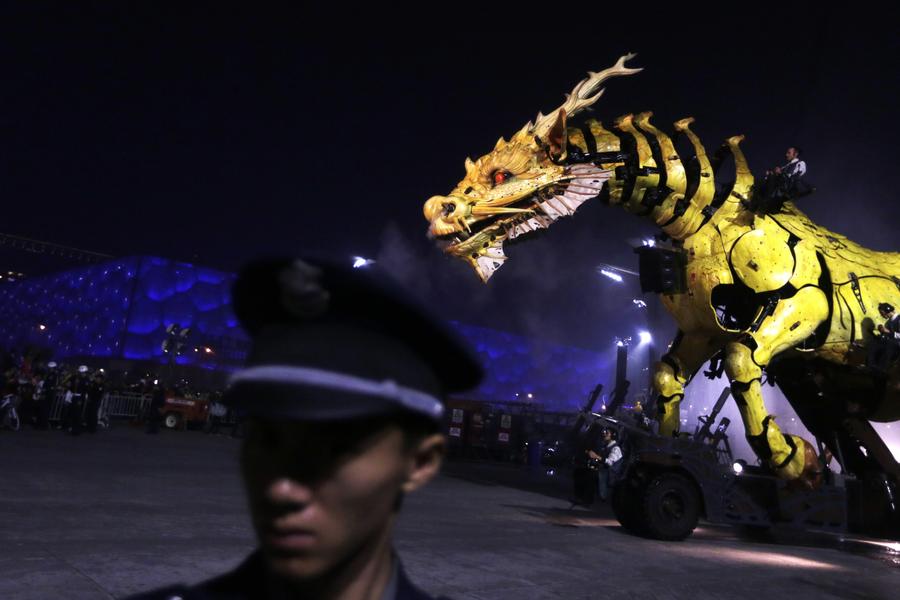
173,344
612,275
615,272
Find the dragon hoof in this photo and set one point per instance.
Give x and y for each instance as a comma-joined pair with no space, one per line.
810,472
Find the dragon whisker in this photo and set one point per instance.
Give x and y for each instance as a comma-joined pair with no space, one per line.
580,186
483,211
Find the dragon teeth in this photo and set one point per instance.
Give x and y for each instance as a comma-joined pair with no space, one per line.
488,264
528,225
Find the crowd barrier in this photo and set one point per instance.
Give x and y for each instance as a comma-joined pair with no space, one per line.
121,405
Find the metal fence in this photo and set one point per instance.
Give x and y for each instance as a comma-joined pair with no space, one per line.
127,405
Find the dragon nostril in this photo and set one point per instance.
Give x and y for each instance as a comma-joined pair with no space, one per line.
435,207
449,208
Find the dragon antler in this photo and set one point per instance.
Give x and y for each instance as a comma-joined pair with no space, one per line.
584,94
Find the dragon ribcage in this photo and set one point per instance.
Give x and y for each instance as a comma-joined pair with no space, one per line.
650,178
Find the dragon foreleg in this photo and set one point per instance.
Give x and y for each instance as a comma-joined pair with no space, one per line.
791,322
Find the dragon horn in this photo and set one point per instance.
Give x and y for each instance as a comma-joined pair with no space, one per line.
584,94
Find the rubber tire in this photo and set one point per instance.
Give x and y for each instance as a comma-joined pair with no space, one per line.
670,507
626,502
172,421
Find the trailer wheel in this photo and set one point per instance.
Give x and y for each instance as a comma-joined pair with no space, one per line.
173,420
626,502
670,507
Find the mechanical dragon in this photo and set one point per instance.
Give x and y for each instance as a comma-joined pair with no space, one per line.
757,292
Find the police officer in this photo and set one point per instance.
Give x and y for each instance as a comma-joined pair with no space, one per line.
343,395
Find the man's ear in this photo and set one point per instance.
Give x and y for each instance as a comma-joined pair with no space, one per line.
425,460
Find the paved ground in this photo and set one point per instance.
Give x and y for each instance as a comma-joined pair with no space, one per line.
106,515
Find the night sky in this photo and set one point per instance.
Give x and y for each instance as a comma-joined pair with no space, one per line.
213,136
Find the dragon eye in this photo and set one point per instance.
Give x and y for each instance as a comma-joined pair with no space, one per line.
501,177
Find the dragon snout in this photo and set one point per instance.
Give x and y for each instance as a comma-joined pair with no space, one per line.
441,214
439,206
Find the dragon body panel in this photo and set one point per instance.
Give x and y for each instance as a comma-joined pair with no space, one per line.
757,287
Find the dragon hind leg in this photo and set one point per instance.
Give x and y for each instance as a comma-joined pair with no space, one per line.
673,372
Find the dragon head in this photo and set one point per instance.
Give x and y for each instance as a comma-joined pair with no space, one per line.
523,185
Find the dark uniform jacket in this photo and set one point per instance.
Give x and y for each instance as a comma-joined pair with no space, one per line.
893,327
248,582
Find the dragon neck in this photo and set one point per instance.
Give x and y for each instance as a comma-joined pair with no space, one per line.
649,178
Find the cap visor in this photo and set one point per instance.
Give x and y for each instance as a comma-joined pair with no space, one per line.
308,403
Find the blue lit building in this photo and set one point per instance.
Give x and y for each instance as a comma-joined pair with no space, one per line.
558,377
120,310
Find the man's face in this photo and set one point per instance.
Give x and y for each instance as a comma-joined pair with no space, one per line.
791,153
322,494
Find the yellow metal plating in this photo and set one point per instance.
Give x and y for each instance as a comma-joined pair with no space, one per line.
809,291
747,253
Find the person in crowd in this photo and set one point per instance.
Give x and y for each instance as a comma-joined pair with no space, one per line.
237,421
344,394
94,395
41,399
608,454
8,393
157,402
884,348
217,412
77,396
584,468
65,390
25,394
639,417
